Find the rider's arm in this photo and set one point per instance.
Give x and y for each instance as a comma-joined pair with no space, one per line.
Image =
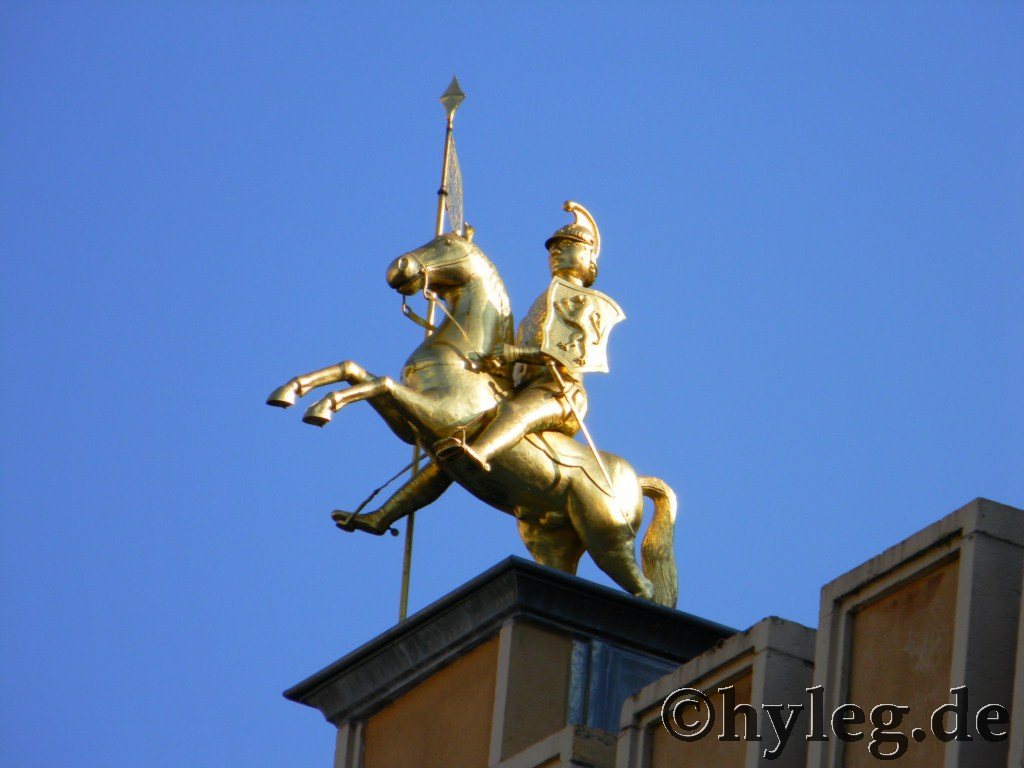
526,353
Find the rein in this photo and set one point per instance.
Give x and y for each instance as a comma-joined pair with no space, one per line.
432,297
420,321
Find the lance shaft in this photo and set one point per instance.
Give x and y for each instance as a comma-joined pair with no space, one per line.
442,194
590,441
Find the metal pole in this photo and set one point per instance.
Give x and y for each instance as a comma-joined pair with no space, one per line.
451,99
442,191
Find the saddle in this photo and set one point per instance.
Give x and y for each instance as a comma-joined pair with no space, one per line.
571,453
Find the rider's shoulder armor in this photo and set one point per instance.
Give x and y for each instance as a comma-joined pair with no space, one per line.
531,333
531,329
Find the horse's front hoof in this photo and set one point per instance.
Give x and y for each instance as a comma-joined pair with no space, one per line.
318,414
284,396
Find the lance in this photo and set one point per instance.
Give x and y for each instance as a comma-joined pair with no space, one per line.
450,175
583,428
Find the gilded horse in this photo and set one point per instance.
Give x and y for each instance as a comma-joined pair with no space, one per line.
549,482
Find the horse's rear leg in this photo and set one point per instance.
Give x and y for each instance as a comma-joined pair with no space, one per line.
286,395
558,548
608,538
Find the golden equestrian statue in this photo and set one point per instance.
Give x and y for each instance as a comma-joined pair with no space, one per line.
498,417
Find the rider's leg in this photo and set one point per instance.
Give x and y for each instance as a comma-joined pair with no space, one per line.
424,488
532,410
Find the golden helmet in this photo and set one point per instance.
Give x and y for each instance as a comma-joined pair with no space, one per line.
582,230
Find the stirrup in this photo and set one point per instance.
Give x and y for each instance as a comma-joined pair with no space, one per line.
346,521
449,449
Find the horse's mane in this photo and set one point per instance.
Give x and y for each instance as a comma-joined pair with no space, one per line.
495,287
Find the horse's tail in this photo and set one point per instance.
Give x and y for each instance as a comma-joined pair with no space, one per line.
657,551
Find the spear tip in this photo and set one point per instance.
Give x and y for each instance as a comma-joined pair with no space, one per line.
452,97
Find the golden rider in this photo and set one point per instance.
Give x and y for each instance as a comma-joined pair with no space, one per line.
539,401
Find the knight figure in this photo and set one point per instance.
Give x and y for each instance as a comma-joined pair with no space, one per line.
498,414
549,392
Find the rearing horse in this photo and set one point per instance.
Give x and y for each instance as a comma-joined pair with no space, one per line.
551,483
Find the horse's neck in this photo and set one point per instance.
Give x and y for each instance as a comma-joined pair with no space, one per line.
478,317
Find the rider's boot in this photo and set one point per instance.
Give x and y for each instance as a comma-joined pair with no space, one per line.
531,411
425,487
450,449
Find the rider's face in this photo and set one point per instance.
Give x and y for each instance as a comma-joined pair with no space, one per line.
570,257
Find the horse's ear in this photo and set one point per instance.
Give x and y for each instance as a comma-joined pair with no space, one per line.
468,231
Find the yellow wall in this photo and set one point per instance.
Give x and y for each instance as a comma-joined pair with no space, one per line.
901,653
443,722
669,752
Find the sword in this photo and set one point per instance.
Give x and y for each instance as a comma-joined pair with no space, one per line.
583,428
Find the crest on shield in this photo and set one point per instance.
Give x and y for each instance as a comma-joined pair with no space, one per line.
579,321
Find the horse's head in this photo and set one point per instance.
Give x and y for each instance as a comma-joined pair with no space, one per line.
445,262
454,269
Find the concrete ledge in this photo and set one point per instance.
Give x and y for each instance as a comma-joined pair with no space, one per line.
938,610
996,520
381,670
773,658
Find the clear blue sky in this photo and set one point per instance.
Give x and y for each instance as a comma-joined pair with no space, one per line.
811,214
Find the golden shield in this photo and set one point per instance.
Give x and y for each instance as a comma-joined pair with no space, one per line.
579,321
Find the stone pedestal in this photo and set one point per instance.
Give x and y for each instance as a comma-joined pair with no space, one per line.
523,667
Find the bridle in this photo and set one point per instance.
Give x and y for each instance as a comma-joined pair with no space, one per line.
433,298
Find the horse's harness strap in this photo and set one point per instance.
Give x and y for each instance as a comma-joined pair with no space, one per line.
420,321
437,301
